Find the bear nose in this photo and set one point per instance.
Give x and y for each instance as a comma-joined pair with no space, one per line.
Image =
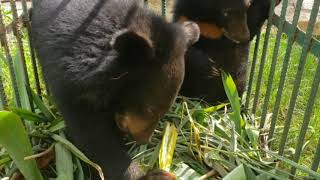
122,127
142,138
237,30
243,34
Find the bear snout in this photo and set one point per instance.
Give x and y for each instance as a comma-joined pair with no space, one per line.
138,127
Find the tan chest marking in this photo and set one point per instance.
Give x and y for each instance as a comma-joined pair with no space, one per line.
208,30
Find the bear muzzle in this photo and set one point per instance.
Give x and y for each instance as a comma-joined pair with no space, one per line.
139,128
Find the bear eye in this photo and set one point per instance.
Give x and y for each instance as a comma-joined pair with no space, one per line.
225,12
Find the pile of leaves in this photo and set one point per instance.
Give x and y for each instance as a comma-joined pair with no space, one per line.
193,141
220,142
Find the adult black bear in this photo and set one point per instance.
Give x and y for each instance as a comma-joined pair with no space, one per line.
226,26
112,67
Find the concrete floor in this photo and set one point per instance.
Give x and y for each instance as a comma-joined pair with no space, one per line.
305,11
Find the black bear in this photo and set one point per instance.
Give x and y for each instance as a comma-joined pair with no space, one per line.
226,26
113,68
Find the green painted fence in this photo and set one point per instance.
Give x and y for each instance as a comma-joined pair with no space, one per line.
262,105
281,58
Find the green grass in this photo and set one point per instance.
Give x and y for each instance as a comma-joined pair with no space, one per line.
15,57
303,96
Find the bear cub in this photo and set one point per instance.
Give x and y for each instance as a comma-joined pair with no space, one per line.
113,68
227,27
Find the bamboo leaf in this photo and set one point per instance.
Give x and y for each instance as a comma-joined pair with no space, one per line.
167,147
271,175
233,96
249,173
233,144
200,115
13,137
154,157
56,127
42,107
64,164
253,135
184,172
240,173
294,164
79,170
215,108
21,81
4,160
221,131
78,153
28,115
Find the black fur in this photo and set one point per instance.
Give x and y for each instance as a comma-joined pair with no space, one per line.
109,64
205,58
229,15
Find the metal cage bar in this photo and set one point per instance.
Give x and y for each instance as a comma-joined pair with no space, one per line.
3,97
164,8
26,22
316,158
263,58
307,116
291,38
18,36
5,46
310,105
273,64
253,68
299,35
298,76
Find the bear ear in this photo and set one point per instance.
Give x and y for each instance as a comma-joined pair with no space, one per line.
191,31
130,43
278,2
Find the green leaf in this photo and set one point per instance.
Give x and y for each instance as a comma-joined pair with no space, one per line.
79,170
273,174
240,173
3,58
253,134
221,131
216,161
78,153
21,81
56,127
233,145
249,173
200,115
13,137
4,160
42,107
294,164
233,96
184,172
64,164
28,115
167,147
154,157
215,108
